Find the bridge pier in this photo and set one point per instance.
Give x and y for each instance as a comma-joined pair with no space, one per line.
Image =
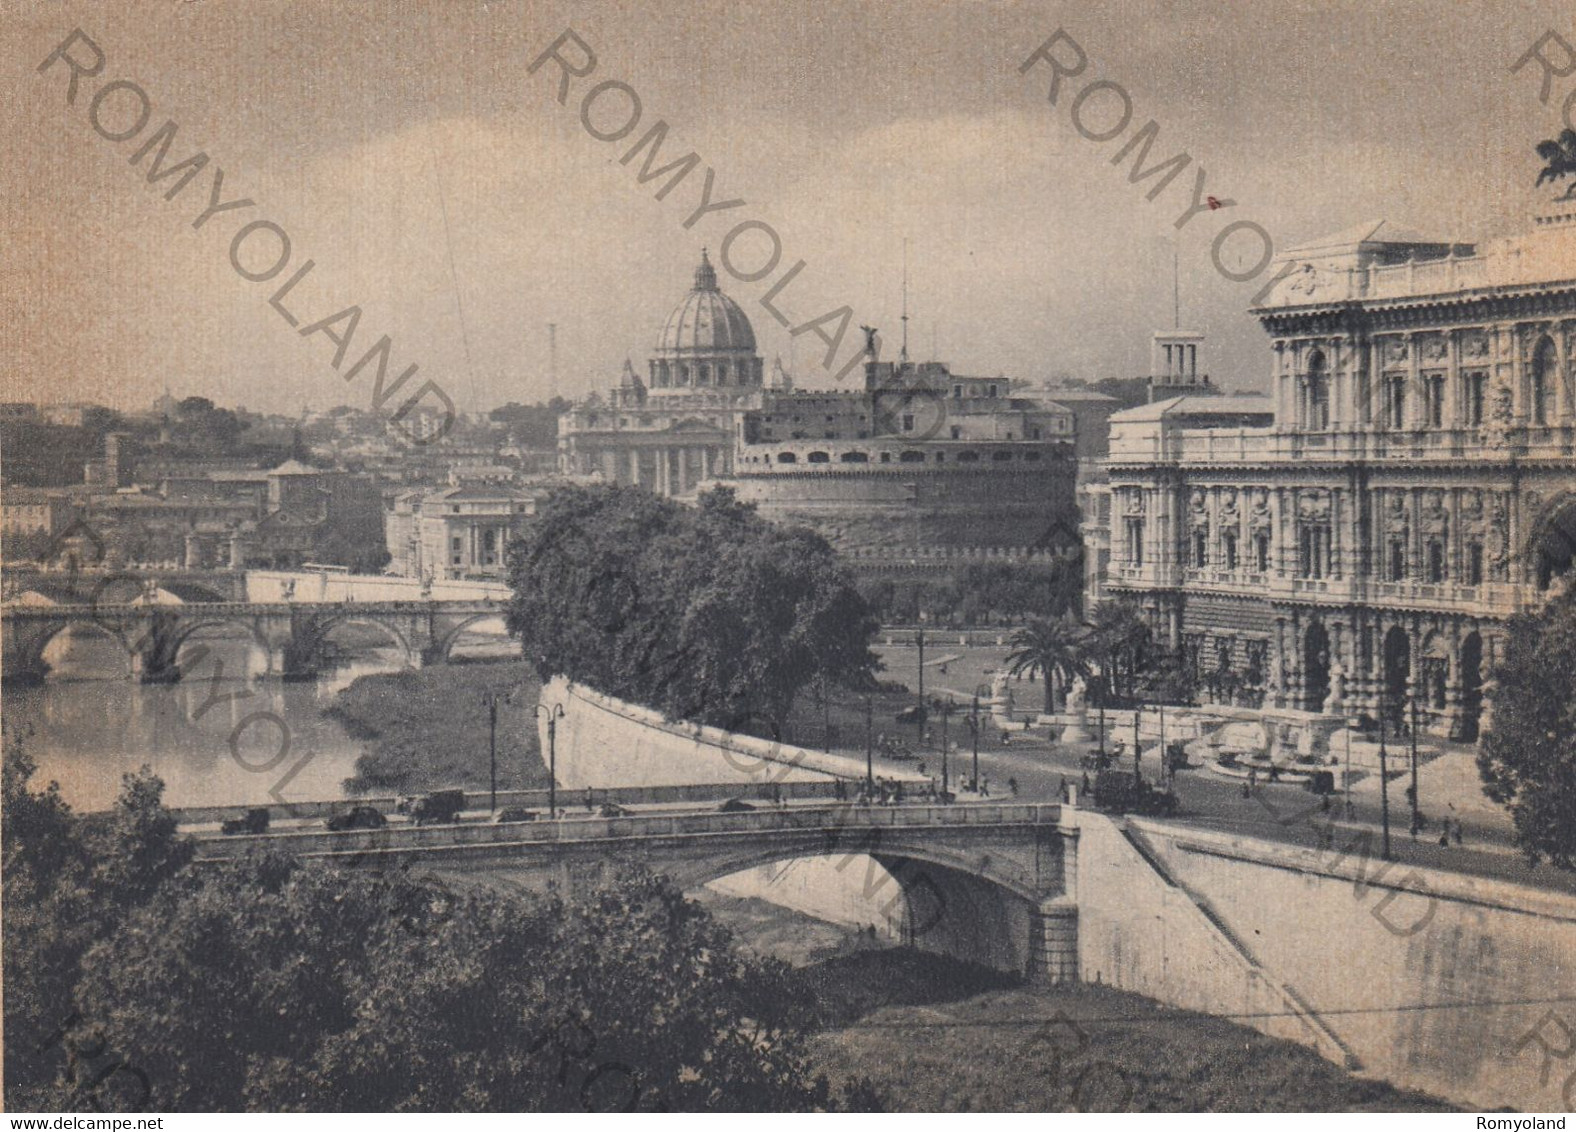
1053,942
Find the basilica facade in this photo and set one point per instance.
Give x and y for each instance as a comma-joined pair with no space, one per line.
1356,545
917,463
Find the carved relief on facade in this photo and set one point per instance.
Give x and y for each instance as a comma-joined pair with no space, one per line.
1474,344
1397,520
1313,505
1435,348
1259,518
1499,536
1394,351
1435,517
1135,500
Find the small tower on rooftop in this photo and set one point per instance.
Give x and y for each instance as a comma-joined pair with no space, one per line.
1174,365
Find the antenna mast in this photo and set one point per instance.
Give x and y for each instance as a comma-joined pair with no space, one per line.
1176,291
903,356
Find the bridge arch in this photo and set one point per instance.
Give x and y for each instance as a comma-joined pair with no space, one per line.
451,636
246,624
401,640
937,900
29,655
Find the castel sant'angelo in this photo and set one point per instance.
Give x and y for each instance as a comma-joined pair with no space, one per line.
919,466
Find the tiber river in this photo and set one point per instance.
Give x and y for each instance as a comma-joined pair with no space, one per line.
222,736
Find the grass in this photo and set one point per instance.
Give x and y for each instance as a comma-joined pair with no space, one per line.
426,729
935,1034
975,1047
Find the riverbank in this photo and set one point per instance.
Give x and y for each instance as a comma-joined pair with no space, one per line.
426,729
939,1035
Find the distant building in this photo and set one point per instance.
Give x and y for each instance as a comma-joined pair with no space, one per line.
918,460
1356,544
34,511
453,533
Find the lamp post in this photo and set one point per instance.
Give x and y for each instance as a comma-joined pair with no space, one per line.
974,728
1417,818
870,764
1100,691
1384,781
491,700
1138,748
922,712
554,712
946,713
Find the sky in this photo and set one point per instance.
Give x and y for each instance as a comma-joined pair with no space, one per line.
436,182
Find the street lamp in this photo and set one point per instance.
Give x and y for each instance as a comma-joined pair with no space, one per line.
974,728
1417,818
554,714
870,765
491,700
1384,781
922,712
946,713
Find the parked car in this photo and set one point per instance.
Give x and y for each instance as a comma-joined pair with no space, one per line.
1320,782
441,807
254,821
613,810
514,814
1122,791
358,817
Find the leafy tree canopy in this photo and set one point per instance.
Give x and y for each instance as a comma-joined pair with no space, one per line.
134,981
1528,757
706,613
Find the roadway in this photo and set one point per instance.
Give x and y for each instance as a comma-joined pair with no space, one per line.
1282,812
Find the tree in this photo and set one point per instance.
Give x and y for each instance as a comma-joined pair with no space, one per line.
706,613
1052,649
276,986
1120,642
1559,157
1528,757
132,981
66,882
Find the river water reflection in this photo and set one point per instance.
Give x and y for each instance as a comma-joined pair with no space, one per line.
224,735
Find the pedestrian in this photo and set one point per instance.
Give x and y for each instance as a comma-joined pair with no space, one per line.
1458,831
1084,783
985,786
1012,786
1444,835
1061,789
590,803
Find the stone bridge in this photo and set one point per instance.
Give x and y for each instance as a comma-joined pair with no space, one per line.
294,634
988,883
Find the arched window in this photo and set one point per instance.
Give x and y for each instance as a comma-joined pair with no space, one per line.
722,373
1540,395
968,457
1001,456
820,458
703,374
1316,412
854,458
911,457
684,375
787,458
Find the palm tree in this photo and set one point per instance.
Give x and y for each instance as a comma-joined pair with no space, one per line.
1049,648
1119,637
1559,157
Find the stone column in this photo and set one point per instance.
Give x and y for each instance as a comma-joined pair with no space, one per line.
634,467
1053,942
